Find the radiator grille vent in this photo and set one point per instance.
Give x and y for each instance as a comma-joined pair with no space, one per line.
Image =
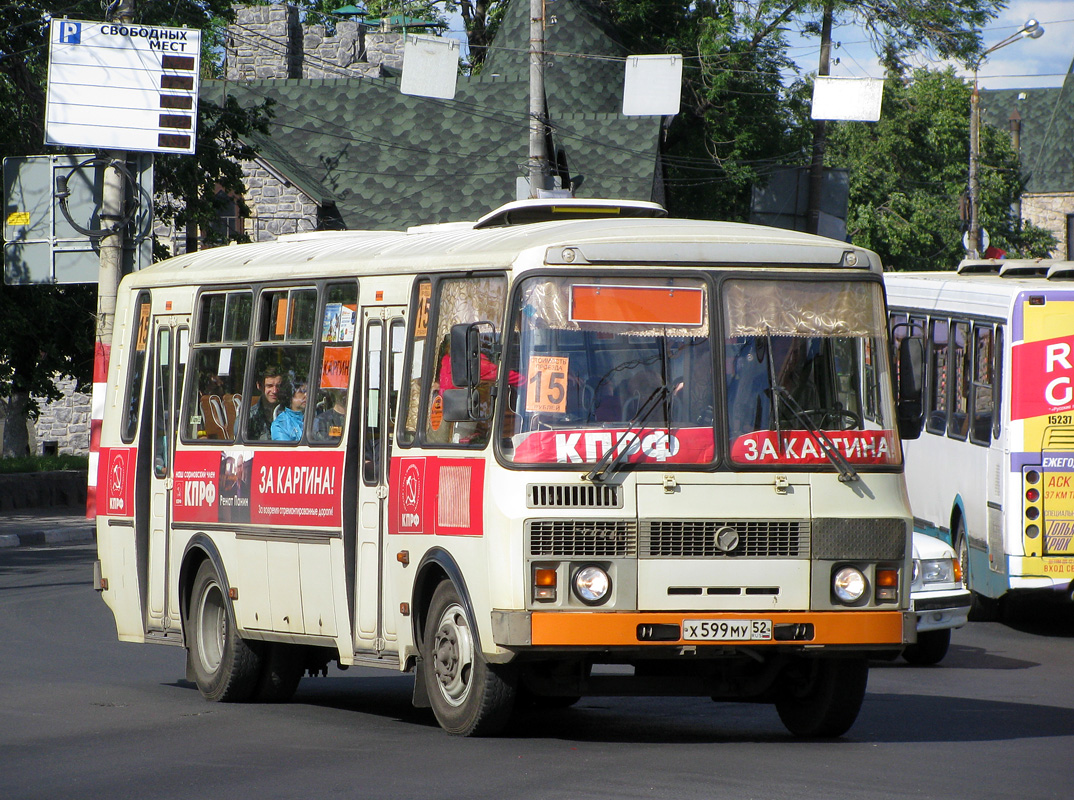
859,539
544,495
580,537
700,538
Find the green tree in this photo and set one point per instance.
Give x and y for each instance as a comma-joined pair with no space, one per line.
45,330
740,117
908,176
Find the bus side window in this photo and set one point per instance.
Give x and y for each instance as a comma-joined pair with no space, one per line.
339,316
419,332
136,374
960,371
280,391
217,365
997,384
936,416
458,301
981,391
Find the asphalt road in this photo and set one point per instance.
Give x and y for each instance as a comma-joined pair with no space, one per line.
85,716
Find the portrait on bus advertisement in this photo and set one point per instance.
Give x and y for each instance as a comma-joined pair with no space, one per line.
262,487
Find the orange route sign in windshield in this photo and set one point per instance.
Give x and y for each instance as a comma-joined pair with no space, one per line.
546,382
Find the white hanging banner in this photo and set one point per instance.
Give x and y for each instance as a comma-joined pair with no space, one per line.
430,66
652,85
850,99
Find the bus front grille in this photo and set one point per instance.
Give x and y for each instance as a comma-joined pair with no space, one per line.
553,495
550,538
707,538
860,539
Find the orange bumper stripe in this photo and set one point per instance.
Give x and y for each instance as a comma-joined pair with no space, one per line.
611,629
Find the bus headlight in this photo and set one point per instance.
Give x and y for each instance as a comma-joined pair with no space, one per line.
849,584
592,585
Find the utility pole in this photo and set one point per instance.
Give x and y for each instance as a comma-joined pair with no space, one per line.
820,130
538,155
113,200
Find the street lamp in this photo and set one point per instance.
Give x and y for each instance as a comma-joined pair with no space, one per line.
1034,30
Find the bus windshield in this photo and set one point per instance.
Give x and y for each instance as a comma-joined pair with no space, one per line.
633,371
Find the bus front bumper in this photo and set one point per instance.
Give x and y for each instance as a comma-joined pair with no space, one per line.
594,629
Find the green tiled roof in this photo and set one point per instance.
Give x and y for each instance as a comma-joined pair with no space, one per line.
1047,132
390,160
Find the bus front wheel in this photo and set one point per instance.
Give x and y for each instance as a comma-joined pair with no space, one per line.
822,696
469,696
930,649
225,667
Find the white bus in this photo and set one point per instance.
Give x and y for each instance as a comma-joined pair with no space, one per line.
574,448
991,474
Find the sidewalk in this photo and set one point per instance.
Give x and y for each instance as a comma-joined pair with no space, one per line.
45,526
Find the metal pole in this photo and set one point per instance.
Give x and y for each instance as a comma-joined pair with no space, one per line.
974,235
538,157
820,129
113,198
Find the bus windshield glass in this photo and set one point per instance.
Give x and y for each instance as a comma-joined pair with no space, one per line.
621,370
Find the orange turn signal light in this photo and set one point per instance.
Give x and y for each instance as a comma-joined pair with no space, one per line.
887,577
545,577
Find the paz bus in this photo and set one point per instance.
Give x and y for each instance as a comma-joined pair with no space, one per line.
992,473
575,448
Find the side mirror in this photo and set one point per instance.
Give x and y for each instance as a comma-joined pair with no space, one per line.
456,404
466,351
910,408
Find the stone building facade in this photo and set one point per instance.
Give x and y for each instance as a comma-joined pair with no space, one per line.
1053,211
269,42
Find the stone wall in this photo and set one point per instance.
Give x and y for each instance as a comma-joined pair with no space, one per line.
276,207
65,421
264,43
1050,211
269,42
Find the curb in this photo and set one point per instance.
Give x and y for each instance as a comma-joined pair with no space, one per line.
44,538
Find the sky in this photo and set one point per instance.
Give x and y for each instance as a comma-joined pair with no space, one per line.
1026,63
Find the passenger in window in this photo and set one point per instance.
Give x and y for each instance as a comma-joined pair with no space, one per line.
287,427
264,411
329,423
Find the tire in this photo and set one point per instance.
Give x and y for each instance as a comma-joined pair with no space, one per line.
823,696
930,649
982,609
469,696
226,668
281,670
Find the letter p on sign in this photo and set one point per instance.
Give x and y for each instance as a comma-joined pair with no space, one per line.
70,32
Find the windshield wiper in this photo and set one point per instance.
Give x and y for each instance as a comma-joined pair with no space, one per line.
608,463
846,472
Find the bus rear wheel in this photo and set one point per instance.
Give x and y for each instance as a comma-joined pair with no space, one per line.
982,608
226,668
823,696
469,696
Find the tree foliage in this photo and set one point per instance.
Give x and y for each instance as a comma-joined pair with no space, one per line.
908,176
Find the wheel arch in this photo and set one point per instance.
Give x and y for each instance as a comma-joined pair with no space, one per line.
435,566
958,514
199,550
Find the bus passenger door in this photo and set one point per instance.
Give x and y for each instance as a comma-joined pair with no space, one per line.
383,333
165,379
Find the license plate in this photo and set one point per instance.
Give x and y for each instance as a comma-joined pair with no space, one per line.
726,630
